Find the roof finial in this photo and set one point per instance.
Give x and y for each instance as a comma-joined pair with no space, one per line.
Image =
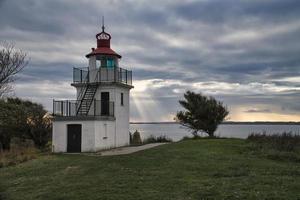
103,27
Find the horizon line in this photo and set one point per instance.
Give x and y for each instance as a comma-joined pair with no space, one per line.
225,122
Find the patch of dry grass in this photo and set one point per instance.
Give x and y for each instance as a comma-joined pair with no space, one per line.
17,155
280,146
285,141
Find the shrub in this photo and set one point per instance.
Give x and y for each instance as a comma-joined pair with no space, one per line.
286,141
25,120
16,155
21,143
185,138
48,147
136,138
159,139
284,146
197,137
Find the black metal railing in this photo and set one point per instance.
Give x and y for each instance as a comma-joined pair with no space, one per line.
125,76
69,108
80,75
103,74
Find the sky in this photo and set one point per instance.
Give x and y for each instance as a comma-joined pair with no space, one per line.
245,53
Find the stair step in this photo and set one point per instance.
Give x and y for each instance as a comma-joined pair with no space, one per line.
87,99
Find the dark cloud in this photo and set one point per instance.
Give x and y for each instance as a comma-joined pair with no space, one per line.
1,2
242,52
220,12
53,71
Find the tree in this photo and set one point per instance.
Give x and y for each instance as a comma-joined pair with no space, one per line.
25,120
201,114
12,122
39,122
12,61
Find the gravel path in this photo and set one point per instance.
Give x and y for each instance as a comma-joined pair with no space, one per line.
128,150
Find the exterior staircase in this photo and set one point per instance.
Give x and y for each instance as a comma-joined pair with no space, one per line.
87,99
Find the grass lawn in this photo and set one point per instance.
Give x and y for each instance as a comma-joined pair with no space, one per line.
193,169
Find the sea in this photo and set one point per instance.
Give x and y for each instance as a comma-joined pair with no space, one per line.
176,132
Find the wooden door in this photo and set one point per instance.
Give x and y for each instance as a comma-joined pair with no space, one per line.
74,138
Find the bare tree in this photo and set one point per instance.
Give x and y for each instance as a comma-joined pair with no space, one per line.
12,61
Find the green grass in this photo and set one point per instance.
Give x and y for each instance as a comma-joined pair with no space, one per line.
192,169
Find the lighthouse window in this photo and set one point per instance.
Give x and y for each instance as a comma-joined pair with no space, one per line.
122,99
110,63
98,64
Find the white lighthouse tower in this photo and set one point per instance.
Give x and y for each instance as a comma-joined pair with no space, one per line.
99,117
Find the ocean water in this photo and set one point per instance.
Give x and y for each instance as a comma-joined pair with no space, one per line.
177,132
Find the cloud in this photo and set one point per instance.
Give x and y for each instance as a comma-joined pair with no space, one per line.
166,93
255,110
245,53
44,91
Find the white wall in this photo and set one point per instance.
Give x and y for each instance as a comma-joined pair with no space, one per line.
96,135
59,135
87,136
121,112
105,135
122,116
92,68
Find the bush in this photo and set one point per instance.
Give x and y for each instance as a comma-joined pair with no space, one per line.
21,143
48,147
284,146
285,141
197,137
25,120
159,139
136,138
16,155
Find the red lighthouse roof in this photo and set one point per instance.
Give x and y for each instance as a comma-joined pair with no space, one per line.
103,45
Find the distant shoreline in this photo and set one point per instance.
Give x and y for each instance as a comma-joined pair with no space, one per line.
229,122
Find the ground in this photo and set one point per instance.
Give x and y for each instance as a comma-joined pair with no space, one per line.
193,169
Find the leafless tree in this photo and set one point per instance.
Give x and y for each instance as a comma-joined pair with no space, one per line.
12,61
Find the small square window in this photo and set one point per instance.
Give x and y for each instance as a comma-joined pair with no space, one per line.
122,99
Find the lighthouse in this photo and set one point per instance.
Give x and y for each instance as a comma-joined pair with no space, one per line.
99,116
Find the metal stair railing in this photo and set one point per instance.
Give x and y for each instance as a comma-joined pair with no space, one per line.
83,92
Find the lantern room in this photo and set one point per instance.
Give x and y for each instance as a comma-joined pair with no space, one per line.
103,56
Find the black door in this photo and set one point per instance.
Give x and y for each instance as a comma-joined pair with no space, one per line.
74,138
105,103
